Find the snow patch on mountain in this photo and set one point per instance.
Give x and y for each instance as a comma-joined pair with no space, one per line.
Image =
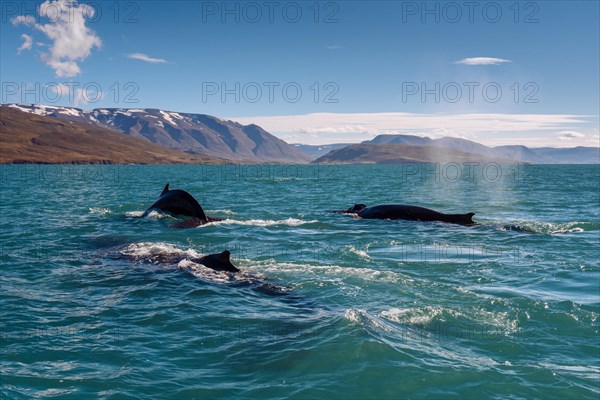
167,117
195,133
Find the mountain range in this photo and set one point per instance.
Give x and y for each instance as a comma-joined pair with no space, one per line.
387,148
401,153
32,138
316,151
185,137
193,133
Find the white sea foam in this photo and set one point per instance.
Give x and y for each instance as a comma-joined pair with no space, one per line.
152,252
147,249
572,230
152,214
412,315
333,273
99,210
585,371
360,253
353,315
202,272
362,317
157,215
553,228
498,321
134,214
262,222
226,212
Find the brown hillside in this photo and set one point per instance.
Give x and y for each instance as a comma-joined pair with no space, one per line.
31,138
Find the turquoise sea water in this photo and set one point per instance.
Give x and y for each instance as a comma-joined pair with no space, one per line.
99,303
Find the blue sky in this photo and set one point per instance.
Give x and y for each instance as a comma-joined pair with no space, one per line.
320,72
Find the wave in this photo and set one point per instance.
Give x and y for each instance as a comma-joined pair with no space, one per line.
366,319
134,214
224,211
438,322
549,228
334,273
99,210
145,250
228,221
430,340
360,253
152,214
584,371
262,222
169,255
412,316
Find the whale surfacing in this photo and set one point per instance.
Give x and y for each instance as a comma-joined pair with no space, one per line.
180,203
408,212
218,262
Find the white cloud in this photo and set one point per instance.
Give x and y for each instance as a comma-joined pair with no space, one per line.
28,42
23,19
569,135
72,40
334,47
334,129
324,128
482,61
146,58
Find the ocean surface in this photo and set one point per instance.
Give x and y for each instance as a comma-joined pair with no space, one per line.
100,303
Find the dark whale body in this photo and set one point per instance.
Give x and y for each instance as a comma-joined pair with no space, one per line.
218,262
407,212
180,203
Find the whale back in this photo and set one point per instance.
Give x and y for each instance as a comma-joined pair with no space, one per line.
178,202
165,190
219,262
355,209
461,219
413,213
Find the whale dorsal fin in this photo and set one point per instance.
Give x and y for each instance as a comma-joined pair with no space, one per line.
357,208
224,256
165,190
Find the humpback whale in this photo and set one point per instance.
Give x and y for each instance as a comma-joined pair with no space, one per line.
180,203
218,262
407,212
